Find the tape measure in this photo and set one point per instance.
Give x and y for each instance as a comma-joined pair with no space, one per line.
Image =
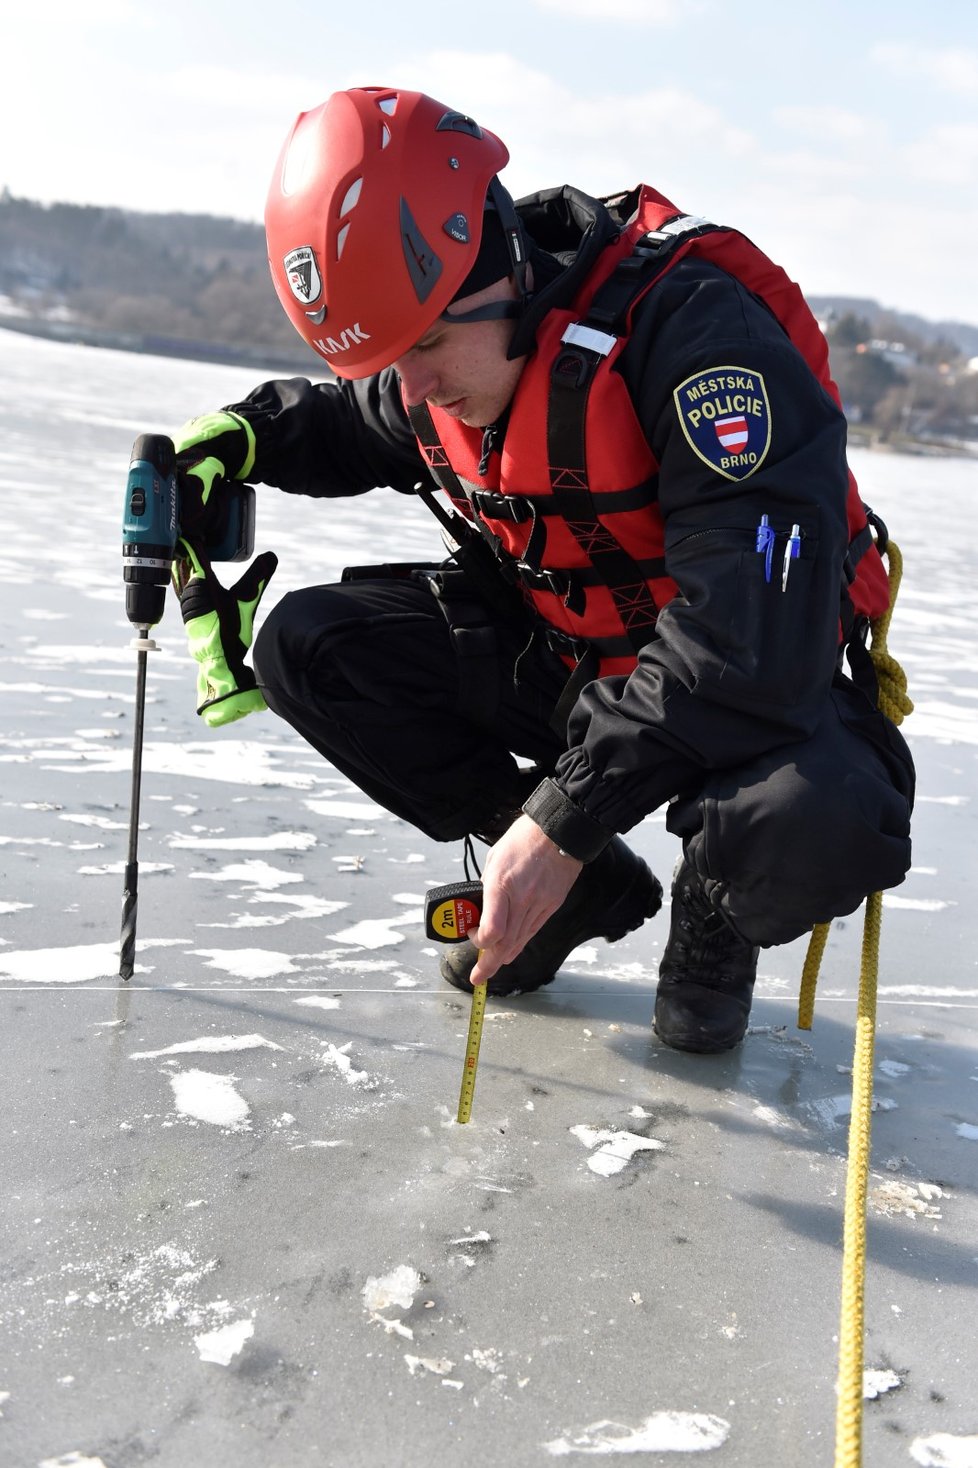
472,1043
450,912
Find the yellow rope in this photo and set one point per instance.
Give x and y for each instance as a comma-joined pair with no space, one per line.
892,679
895,703
849,1408
809,975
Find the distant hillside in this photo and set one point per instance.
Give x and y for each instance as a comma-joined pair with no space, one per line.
889,323
194,285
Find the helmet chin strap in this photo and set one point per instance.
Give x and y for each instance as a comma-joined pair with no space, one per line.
498,199
492,311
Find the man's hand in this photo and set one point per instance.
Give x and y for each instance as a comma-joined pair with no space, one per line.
219,623
526,878
211,450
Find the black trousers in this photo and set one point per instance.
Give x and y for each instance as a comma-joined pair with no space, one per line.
423,702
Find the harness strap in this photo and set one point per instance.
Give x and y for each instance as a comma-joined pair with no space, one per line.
571,379
520,507
473,638
562,580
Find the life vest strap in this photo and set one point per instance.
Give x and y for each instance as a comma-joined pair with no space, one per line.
571,378
522,507
580,648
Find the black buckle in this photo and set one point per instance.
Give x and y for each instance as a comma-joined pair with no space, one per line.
562,643
502,506
882,534
572,368
538,578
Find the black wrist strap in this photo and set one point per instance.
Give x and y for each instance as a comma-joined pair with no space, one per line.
576,833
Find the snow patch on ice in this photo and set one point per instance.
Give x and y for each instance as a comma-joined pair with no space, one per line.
118,868
437,1365
337,1057
915,904
101,823
924,991
968,1132
319,1001
222,1345
306,904
377,932
209,1045
248,963
72,1460
663,1432
347,809
75,965
911,1200
945,1450
277,841
396,1289
614,1149
239,762
876,1382
252,874
204,1096
363,965
301,905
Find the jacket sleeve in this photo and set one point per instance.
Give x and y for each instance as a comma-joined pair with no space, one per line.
738,664
334,438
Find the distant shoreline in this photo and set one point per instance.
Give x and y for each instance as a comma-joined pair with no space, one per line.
222,354
156,345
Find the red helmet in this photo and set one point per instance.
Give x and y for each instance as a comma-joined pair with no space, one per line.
374,219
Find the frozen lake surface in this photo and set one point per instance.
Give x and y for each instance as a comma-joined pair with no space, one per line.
240,1225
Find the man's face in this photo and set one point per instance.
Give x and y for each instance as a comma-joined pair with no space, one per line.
463,369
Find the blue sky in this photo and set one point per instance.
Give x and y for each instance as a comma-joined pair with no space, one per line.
842,137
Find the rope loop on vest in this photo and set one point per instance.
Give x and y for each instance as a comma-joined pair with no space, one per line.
893,699
895,703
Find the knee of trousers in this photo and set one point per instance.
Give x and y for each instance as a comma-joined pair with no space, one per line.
801,835
276,655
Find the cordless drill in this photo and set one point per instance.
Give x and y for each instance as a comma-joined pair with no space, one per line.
150,530
151,526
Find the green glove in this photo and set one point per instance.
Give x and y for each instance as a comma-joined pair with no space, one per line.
220,627
211,450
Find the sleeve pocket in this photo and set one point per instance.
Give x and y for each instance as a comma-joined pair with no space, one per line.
750,637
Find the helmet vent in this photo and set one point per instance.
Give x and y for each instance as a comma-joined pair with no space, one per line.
385,136
457,122
388,105
351,197
341,240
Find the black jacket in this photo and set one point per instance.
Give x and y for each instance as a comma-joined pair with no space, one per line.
736,668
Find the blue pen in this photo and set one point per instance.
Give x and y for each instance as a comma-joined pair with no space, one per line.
792,551
765,544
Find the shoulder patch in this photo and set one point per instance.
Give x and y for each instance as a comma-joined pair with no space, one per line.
726,417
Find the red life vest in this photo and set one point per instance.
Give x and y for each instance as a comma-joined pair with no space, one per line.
571,500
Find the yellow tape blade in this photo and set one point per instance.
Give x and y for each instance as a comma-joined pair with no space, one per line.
472,1053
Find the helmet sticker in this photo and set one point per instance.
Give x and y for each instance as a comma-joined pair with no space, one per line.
302,273
726,417
457,226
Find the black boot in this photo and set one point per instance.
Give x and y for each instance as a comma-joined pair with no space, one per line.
613,895
706,977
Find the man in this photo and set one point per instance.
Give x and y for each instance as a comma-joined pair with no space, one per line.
662,554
